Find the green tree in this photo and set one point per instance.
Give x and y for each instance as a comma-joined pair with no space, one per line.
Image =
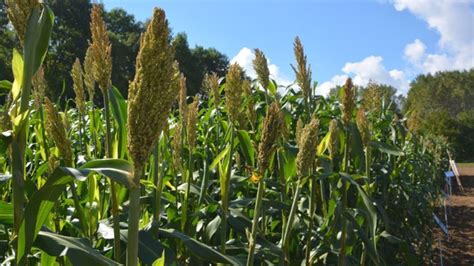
7,42
69,40
443,104
195,63
124,33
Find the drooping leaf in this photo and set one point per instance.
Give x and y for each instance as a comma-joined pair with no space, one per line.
386,148
246,146
6,213
199,249
78,250
42,201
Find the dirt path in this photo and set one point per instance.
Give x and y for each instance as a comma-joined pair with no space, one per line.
458,249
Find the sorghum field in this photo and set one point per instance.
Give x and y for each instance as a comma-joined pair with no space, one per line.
248,173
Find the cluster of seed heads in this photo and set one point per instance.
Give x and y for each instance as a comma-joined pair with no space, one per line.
212,83
302,69
153,90
89,79
333,138
233,92
348,101
183,108
177,144
307,147
78,86
19,12
260,65
191,125
363,126
250,106
271,131
100,50
56,128
39,87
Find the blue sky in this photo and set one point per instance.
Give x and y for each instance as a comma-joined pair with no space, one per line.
385,41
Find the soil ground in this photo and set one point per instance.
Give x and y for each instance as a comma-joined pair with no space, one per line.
458,249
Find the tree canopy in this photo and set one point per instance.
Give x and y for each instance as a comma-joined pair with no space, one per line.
70,39
196,62
443,104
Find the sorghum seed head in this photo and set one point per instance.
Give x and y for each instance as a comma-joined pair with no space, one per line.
302,70
250,106
212,82
57,131
191,127
89,74
363,126
101,49
78,85
177,144
39,86
348,101
233,92
260,65
153,90
272,128
19,12
333,138
299,130
307,147
183,108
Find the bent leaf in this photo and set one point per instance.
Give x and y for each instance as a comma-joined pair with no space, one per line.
77,250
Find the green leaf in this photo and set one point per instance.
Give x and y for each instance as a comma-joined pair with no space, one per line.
160,261
38,32
357,149
43,200
246,146
119,110
369,206
212,227
17,67
149,249
199,249
5,85
219,157
386,148
78,250
6,213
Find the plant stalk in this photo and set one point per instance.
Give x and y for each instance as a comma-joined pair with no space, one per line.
342,251
291,219
256,215
113,192
225,196
133,220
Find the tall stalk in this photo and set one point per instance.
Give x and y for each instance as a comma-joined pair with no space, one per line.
291,218
256,216
226,190
342,245
113,190
312,210
134,219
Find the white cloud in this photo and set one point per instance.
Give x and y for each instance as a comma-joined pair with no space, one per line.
245,57
415,51
325,87
454,21
369,69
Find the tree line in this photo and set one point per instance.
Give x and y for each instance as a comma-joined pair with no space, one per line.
70,38
437,104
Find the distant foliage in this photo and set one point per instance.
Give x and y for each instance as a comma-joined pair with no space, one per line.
443,104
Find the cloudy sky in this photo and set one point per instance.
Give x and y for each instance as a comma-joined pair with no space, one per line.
388,41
